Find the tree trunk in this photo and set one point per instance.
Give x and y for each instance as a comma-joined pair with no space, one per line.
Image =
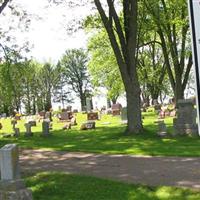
133,110
124,48
179,92
108,103
34,106
83,102
48,104
114,101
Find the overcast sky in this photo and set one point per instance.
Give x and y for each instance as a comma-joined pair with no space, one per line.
47,32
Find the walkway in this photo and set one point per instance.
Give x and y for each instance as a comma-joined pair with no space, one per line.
174,171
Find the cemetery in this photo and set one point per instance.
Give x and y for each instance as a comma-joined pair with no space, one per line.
99,100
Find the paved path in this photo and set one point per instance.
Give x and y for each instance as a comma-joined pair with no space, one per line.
175,171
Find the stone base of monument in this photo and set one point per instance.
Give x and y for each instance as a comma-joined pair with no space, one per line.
186,129
14,190
88,125
162,129
185,122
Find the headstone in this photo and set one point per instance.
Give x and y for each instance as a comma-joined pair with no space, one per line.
88,125
28,132
73,121
162,129
116,112
69,108
9,162
75,111
124,114
32,122
92,116
11,186
185,121
48,115
16,132
67,126
88,104
45,128
65,116
116,106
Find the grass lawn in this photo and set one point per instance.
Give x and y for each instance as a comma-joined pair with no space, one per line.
57,186
107,138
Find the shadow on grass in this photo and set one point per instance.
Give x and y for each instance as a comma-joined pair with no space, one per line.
57,186
105,139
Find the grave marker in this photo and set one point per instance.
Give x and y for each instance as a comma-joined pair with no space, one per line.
9,162
124,114
45,128
11,186
28,132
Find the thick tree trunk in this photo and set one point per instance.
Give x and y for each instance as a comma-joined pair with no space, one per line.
83,102
48,104
179,91
133,110
124,48
114,101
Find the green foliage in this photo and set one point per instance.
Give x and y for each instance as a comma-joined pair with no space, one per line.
74,67
103,66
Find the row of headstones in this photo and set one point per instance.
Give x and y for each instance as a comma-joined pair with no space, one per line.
184,122
46,125
12,187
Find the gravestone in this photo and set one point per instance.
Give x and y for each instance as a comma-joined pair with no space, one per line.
65,116
67,126
162,129
185,121
32,122
16,132
88,125
48,115
28,132
11,186
69,108
88,105
75,111
124,114
92,116
9,162
116,112
45,128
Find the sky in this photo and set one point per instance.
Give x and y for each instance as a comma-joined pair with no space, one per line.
48,29
48,33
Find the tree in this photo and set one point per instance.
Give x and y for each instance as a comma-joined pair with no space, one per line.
124,43
3,5
172,27
48,79
103,66
62,92
74,64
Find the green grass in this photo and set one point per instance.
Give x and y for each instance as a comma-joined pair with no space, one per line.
107,138
57,186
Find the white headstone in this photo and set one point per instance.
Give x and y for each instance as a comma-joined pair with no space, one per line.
9,161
